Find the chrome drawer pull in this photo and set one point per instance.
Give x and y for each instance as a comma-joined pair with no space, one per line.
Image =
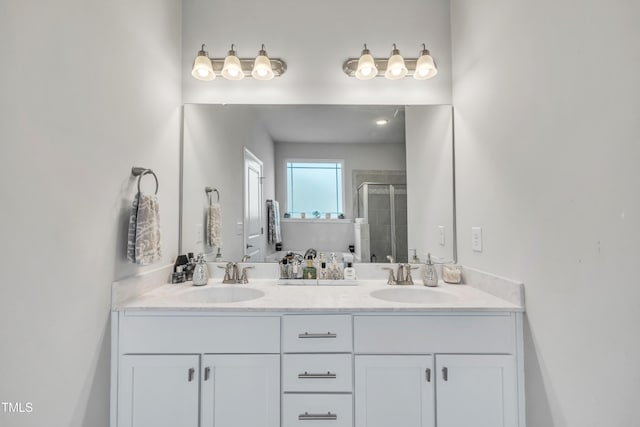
207,372
314,335
190,374
317,417
445,374
428,375
328,375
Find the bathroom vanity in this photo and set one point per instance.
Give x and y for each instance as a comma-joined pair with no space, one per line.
268,355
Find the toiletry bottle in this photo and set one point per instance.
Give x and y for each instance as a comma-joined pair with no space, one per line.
309,271
294,270
200,271
349,272
323,271
414,258
178,275
429,274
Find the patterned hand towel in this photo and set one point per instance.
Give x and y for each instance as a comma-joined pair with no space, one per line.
274,234
143,245
214,225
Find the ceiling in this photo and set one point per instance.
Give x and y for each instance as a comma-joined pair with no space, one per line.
333,123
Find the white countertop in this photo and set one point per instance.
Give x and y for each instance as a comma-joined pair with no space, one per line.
286,298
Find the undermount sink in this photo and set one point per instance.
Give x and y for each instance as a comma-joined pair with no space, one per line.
222,295
416,295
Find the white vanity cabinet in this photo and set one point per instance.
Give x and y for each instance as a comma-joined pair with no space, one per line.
478,390
394,391
187,370
436,370
158,390
317,370
274,369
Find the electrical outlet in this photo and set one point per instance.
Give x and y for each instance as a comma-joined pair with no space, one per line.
476,239
199,233
441,234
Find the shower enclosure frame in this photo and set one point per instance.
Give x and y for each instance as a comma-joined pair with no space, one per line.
392,209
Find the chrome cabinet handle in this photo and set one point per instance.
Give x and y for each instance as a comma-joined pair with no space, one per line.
207,372
428,375
445,374
190,374
316,335
307,375
317,417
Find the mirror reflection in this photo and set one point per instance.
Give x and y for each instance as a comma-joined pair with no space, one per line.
371,182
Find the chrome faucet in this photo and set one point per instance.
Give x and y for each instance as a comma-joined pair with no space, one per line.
232,274
403,275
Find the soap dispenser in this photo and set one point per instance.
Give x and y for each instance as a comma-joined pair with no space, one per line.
429,274
200,272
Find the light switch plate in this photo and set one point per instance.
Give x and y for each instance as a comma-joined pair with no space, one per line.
476,239
441,234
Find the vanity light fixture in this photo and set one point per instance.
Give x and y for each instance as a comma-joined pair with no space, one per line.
232,67
393,68
202,68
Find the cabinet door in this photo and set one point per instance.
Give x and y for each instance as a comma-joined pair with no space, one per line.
241,390
394,391
477,390
158,391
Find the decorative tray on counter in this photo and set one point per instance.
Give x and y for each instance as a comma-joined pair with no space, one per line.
316,282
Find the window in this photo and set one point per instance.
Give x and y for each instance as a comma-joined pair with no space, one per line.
314,187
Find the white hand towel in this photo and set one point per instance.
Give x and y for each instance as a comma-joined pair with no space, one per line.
143,244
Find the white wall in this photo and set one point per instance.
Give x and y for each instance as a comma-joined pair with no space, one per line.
77,111
315,38
546,102
214,138
430,180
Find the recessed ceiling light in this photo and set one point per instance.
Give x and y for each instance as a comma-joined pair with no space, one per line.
382,122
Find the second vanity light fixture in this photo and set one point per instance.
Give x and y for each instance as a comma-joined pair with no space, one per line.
234,68
393,68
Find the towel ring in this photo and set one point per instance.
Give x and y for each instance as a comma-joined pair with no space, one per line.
209,190
140,172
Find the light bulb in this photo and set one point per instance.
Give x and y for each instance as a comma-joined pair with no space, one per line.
395,66
262,66
366,65
425,66
232,69
202,68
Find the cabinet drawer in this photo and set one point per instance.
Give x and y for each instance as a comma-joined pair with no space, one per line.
317,372
317,334
308,410
434,334
199,334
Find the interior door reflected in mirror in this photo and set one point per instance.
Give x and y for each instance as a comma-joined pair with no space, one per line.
372,181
